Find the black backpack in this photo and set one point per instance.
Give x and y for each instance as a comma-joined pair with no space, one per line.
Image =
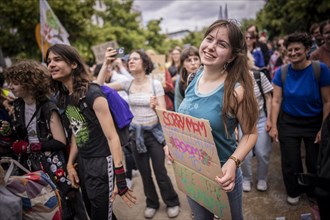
257,77
89,113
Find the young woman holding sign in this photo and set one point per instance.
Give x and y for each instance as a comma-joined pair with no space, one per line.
222,92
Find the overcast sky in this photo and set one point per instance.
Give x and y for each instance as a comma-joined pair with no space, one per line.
191,14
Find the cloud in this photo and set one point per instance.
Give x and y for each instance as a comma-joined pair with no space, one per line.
153,5
194,14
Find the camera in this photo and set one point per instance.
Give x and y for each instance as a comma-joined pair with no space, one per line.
120,52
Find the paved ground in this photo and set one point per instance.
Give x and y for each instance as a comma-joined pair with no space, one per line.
257,205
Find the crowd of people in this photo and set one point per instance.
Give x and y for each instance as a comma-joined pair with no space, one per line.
252,91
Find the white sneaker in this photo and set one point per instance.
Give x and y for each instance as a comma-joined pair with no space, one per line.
173,211
293,200
129,183
149,212
262,185
247,186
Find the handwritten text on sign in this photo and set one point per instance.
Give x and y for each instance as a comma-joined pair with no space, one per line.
191,144
175,120
203,190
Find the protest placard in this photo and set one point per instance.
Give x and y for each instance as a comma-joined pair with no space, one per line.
99,50
196,161
159,67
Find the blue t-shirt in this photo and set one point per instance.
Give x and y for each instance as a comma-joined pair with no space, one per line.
301,93
209,107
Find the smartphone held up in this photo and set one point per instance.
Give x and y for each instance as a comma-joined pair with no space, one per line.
120,52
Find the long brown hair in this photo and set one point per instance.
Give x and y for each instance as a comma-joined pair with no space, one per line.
80,75
238,72
189,51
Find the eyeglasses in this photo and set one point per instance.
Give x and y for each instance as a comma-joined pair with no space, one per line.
249,38
133,58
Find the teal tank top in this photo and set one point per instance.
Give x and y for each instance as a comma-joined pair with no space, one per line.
209,107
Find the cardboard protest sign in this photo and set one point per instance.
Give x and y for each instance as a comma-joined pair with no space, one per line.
159,67
191,144
99,50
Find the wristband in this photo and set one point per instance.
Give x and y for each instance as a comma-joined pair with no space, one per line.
121,180
237,161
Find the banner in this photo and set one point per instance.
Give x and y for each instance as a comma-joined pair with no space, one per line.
51,30
196,161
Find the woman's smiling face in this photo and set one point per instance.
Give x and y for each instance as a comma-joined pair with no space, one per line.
215,49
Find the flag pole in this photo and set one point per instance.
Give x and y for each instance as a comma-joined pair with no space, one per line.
41,37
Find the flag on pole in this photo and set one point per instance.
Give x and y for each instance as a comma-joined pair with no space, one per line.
51,29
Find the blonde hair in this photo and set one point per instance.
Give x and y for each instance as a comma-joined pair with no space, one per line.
250,60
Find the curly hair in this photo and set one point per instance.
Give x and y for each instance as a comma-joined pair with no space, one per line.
33,76
147,63
297,37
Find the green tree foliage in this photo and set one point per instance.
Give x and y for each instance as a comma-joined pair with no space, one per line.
282,17
18,20
154,39
194,38
122,25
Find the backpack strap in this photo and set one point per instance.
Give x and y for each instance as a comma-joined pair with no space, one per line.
153,87
316,70
284,72
43,129
129,87
257,77
152,84
86,107
190,77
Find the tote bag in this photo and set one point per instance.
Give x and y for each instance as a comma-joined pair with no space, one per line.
40,199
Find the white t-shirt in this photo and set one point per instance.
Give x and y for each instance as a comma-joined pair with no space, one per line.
140,103
32,127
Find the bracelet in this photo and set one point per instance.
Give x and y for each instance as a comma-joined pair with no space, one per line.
237,161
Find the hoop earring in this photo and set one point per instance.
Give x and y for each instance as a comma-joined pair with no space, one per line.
224,67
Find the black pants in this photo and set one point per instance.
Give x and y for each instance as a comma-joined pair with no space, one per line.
292,131
324,207
96,181
156,154
129,160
